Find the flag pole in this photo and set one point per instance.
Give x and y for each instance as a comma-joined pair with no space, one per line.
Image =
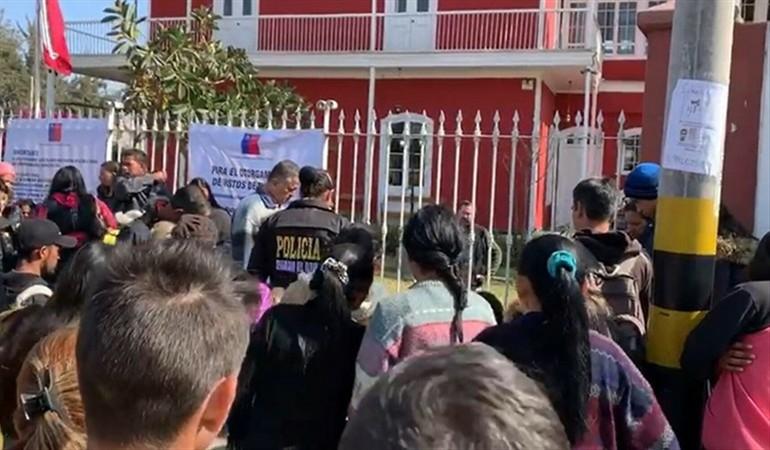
50,92
38,57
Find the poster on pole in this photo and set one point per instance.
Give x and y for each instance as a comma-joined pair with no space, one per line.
695,132
235,160
37,148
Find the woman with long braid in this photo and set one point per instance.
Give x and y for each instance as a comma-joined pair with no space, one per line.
437,310
603,401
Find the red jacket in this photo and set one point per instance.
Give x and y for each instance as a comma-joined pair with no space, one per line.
71,200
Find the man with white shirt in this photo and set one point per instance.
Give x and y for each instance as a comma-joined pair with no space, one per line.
271,197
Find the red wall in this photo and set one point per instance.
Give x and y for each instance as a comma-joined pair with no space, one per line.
624,69
175,8
742,140
430,95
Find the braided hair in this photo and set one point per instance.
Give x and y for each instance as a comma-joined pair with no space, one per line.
434,240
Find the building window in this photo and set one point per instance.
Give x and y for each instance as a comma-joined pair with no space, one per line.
632,149
747,10
248,8
423,5
397,146
617,25
401,6
227,8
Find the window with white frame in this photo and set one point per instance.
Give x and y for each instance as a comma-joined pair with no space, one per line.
398,149
617,25
631,149
747,10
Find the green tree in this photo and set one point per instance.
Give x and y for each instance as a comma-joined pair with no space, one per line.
184,69
14,74
16,62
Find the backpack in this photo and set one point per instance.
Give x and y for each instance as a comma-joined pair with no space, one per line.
621,292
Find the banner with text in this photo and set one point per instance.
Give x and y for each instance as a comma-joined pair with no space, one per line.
235,160
39,147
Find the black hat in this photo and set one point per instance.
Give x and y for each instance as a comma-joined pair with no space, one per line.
38,233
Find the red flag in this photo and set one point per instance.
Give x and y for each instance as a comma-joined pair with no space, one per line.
55,53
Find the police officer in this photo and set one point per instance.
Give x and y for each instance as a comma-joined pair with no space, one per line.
297,239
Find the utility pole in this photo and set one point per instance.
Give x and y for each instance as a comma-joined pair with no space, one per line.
688,201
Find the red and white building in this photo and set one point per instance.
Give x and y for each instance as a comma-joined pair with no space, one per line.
416,59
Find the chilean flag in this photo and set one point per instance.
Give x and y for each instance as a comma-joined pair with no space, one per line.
54,132
54,45
250,144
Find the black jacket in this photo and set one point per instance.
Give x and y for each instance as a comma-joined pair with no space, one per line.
744,311
14,283
137,193
295,385
294,241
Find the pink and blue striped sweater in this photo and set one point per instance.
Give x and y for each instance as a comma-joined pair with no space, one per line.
410,323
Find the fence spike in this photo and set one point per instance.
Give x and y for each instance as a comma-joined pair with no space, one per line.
178,124
205,117
341,129
441,120
516,120
230,118
166,122
599,120
622,118
312,119
243,118
90,112
477,122
556,119
256,119
192,118
578,119
298,118
216,117
269,117
357,125
459,122
496,124
2,117
284,120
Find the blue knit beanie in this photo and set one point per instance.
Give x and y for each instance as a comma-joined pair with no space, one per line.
642,182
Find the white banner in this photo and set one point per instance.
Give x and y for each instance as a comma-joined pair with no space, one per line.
235,160
37,148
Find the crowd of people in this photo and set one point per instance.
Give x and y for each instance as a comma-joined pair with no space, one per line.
136,317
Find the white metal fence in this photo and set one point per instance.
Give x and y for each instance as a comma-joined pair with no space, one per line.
386,168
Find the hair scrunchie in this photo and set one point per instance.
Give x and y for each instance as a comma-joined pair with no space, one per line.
337,268
561,259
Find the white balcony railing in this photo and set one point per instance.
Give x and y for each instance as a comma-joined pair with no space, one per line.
442,31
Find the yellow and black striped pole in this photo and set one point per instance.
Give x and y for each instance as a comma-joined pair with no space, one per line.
688,202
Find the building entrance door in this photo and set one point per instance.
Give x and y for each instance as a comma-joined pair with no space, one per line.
410,25
238,26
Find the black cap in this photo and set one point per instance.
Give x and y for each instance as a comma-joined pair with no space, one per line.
38,233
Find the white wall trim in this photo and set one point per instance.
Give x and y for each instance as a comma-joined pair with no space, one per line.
762,195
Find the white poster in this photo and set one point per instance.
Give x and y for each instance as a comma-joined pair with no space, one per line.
235,160
695,133
39,147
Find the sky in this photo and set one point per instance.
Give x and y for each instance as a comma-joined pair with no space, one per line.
17,11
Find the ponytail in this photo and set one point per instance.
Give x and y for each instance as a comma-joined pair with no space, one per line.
450,276
329,282
567,370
